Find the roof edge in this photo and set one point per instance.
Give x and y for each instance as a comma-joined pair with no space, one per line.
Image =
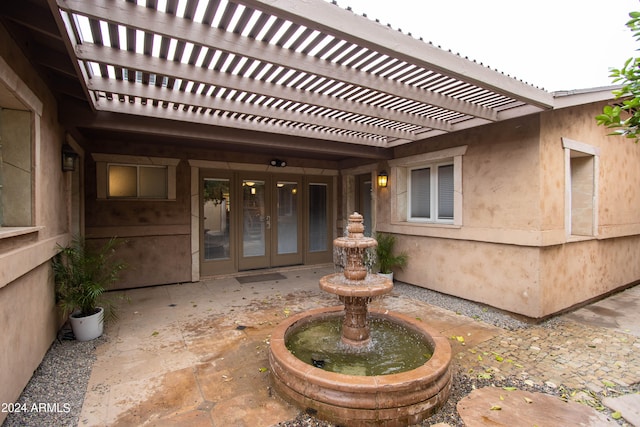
572,98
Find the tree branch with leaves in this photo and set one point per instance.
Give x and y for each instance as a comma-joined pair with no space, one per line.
624,116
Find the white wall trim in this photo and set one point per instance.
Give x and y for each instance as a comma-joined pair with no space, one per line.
433,156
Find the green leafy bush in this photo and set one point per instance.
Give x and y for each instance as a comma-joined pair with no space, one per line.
83,275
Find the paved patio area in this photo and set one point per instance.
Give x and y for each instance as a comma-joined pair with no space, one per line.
196,354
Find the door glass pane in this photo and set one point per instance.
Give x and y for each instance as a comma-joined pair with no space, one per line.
253,218
318,217
216,214
364,204
287,217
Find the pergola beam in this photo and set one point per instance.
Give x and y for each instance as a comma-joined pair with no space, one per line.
190,99
163,67
120,120
281,127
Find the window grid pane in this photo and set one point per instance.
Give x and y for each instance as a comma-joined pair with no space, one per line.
122,181
421,193
445,192
153,182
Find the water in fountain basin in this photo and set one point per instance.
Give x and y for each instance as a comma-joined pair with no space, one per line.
393,348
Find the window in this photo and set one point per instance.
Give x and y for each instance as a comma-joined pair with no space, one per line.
428,187
431,193
581,165
15,168
132,177
20,115
136,181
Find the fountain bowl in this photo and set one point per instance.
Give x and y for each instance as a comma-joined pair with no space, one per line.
382,400
374,286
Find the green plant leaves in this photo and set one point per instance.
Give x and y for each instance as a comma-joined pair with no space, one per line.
83,274
625,116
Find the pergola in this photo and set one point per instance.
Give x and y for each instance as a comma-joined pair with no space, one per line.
309,77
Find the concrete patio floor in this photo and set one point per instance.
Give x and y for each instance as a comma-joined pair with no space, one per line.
195,354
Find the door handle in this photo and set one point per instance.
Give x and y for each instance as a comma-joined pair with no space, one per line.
267,221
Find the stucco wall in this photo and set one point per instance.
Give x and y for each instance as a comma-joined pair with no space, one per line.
513,250
156,233
500,180
578,272
28,317
580,269
28,320
492,258
503,276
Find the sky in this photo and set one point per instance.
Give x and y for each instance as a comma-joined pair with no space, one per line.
551,44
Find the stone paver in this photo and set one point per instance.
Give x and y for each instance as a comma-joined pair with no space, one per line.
628,406
569,354
493,406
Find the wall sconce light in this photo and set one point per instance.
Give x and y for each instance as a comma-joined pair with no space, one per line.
383,178
68,158
278,163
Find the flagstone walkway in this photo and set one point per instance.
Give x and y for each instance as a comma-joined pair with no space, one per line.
196,354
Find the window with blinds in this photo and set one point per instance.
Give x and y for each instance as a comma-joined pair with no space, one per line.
431,193
421,193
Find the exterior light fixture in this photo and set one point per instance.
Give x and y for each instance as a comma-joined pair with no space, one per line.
68,158
383,178
278,163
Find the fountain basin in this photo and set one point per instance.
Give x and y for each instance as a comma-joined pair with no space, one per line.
354,400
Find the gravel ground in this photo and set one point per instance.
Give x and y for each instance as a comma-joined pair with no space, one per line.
62,377
55,393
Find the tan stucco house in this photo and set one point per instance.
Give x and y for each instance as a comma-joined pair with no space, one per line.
218,137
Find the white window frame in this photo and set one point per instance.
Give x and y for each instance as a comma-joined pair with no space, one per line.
401,185
103,161
433,193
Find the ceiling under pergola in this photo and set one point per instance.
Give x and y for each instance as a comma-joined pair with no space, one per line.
309,72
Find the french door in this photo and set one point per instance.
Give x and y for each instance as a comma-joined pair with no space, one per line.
270,221
250,221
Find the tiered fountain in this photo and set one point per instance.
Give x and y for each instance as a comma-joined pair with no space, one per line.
359,367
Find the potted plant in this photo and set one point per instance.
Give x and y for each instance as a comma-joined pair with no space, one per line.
82,276
386,258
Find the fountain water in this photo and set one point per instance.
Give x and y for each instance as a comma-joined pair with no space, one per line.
404,396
